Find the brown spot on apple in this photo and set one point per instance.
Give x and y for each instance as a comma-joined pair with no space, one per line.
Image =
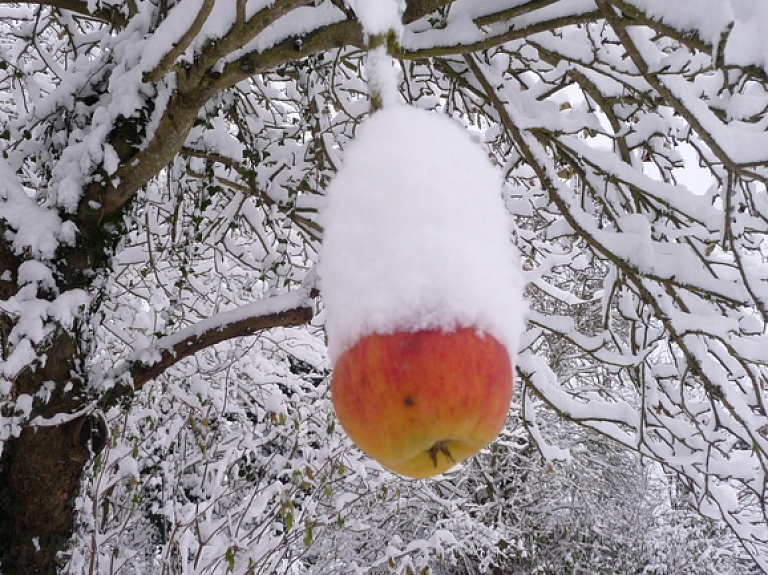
409,401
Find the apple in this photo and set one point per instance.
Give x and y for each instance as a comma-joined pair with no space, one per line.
421,402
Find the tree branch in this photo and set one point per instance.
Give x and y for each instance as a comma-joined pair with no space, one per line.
197,85
179,47
287,310
619,25
112,15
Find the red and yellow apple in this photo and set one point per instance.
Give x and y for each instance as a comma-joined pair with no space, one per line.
420,402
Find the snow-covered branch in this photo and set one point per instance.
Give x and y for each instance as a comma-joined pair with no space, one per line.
289,310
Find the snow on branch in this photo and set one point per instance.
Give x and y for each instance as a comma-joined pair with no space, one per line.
288,310
83,8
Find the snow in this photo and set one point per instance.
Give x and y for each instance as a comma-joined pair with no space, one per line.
742,142
221,320
68,306
36,229
179,20
217,138
33,271
711,20
379,16
383,76
417,236
459,29
24,404
128,467
297,23
592,412
428,246
708,17
23,354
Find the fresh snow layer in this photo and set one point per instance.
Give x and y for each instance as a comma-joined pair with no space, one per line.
383,77
379,16
417,236
33,229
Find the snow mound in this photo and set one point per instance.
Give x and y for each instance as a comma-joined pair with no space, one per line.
417,235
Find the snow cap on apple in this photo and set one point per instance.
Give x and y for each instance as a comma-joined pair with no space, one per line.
417,272
416,235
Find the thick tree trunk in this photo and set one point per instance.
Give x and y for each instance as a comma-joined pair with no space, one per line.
40,470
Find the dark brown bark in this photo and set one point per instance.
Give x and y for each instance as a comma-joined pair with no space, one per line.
7,289
112,15
40,470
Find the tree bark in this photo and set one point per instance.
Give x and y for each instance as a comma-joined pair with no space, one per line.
40,470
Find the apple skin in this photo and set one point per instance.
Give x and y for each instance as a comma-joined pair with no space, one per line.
420,402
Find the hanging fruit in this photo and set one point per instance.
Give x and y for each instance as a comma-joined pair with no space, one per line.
422,293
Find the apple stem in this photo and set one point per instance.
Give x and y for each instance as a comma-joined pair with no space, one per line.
440,447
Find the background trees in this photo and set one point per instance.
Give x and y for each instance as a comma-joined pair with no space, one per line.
163,162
